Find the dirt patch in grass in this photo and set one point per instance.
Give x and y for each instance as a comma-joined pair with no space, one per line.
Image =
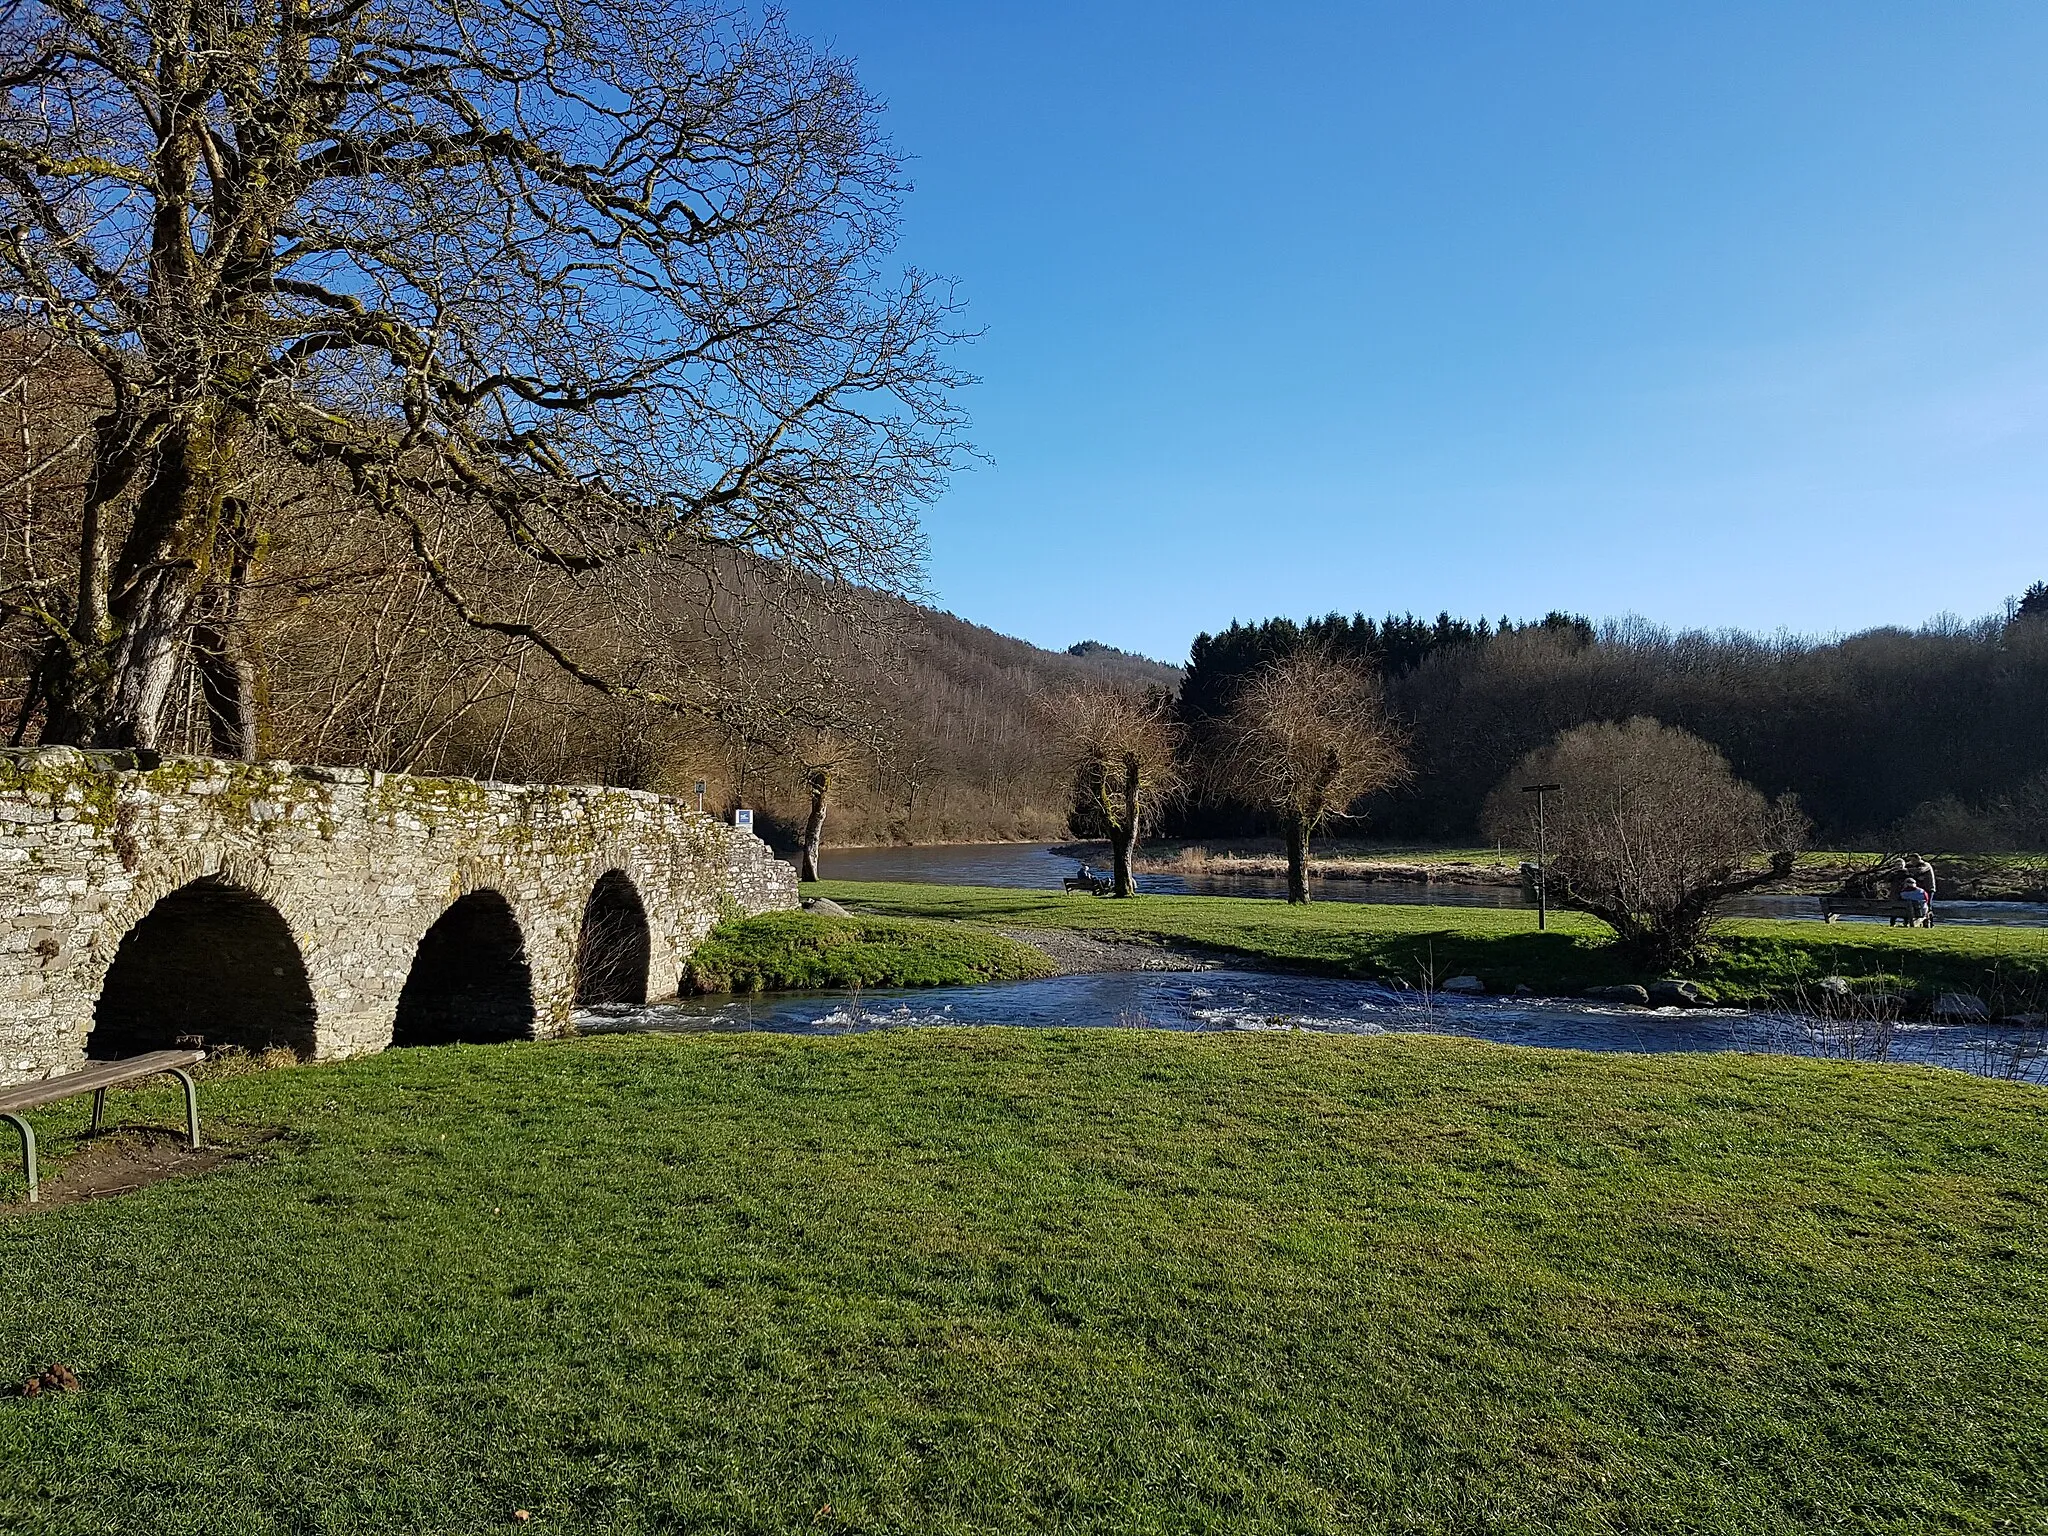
128,1158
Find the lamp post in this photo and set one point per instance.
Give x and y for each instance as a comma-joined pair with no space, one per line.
1542,852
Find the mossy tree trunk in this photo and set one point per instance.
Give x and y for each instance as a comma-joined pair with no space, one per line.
135,615
221,650
167,456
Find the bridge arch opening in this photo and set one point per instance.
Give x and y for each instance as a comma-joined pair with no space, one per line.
211,964
469,983
613,948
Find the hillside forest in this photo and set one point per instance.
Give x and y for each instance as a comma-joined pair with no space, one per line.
1934,737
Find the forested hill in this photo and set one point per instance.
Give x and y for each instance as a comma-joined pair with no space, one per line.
1935,737
971,762
337,647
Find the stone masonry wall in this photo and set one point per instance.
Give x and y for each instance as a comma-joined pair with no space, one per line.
359,864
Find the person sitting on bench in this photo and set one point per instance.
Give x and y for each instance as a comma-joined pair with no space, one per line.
1087,880
1922,871
1916,900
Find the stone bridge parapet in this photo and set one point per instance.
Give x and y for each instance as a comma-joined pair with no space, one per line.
331,910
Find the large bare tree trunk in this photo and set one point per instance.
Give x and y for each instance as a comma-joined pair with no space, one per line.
128,654
814,828
114,694
152,630
1297,860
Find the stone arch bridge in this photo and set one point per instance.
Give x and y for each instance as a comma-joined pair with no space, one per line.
336,911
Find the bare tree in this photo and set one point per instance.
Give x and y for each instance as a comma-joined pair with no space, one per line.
1123,747
824,761
1306,738
1649,830
604,282
48,414
833,726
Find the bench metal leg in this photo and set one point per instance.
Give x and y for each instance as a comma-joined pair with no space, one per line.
28,1151
99,1106
191,1108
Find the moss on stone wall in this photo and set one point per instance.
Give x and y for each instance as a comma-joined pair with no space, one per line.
360,863
63,776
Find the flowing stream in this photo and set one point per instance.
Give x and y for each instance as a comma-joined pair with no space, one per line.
1232,1000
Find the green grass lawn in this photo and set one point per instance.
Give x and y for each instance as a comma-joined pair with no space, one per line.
1019,1281
1759,959
806,951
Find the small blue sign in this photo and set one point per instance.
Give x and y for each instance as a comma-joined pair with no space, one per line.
743,819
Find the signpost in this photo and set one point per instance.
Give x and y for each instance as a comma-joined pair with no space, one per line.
744,819
700,797
1542,852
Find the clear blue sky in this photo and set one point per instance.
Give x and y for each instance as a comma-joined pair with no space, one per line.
1723,315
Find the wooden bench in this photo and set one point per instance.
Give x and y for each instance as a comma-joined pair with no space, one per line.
1094,885
96,1080
1898,912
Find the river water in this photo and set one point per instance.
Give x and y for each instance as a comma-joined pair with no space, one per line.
1026,866
1246,1001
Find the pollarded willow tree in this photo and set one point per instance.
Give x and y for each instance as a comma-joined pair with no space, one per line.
1305,739
1122,748
601,283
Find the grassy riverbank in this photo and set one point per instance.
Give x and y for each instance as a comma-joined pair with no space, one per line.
804,951
1963,876
1011,1280
1758,961
1335,859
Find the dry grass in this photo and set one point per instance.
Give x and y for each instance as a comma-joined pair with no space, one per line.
1421,866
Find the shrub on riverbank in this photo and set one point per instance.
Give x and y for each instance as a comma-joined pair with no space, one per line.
1650,833
807,951
1014,1280
1755,961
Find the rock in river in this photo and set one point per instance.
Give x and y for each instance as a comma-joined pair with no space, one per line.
1959,1008
1628,992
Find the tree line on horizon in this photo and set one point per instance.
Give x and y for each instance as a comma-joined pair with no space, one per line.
1935,737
